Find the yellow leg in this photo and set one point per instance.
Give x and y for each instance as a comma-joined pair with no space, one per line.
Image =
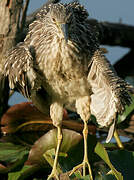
83,109
119,143
85,162
54,173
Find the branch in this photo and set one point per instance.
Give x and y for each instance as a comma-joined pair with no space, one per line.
24,13
124,66
9,20
118,34
114,34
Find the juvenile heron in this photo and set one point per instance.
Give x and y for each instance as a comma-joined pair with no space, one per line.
59,64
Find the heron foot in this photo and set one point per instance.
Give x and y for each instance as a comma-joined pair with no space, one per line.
54,174
83,165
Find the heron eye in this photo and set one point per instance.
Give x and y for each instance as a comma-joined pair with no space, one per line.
53,19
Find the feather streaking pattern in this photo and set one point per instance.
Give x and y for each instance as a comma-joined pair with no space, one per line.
66,71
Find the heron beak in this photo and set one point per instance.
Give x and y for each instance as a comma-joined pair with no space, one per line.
64,29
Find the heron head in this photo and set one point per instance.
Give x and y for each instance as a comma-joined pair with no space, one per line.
61,19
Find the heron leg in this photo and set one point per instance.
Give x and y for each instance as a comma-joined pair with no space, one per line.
117,138
83,108
56,113
54,173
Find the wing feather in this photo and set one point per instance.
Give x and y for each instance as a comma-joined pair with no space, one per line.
20,69
110,92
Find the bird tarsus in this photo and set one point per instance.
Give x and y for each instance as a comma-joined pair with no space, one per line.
54,173
85,162
83,108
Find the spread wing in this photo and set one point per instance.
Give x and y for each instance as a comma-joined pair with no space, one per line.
110,93
21,71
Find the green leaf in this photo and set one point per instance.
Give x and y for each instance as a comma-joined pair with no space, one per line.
10,153
24,173
127,111
124,162
100,151
16,175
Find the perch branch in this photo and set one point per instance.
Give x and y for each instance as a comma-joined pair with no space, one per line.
124,66
114,34
24,13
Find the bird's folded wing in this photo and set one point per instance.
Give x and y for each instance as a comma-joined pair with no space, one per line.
110,93
19,67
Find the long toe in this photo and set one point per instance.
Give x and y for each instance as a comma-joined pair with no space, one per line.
53,175
83,165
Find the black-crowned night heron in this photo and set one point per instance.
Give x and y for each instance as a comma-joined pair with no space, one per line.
59,64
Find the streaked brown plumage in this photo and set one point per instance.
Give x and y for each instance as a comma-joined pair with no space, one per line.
60,64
